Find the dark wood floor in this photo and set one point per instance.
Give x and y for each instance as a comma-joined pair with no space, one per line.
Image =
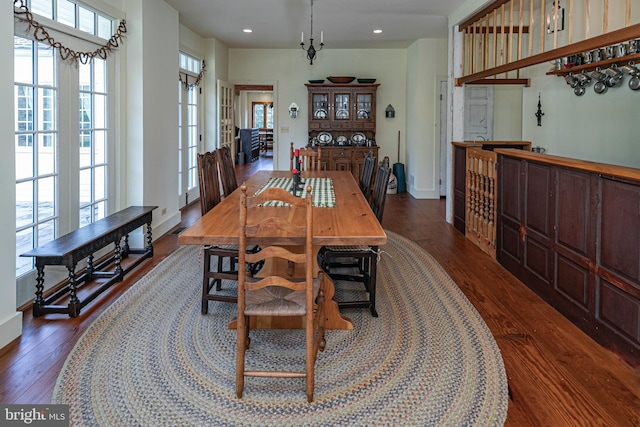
557,375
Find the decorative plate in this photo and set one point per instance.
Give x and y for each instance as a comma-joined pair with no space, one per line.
359,138
364,114
325,138
320,114
342,140
342,114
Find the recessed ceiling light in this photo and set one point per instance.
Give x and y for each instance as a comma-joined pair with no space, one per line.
248,30
377,31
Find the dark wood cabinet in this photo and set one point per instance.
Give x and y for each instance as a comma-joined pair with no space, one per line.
342,110
348,158
571,234
250,144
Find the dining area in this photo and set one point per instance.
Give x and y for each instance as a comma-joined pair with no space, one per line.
340,220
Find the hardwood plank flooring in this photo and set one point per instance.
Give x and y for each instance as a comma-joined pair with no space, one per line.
558,376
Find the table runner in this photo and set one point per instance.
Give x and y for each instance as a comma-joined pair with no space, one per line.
321,190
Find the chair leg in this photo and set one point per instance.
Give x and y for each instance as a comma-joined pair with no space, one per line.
242,333
218,282
373,273
205,283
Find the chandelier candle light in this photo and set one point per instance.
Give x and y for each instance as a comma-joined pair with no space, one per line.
311,51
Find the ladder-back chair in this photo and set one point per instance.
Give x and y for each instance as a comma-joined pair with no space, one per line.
279,293
309,158
359,263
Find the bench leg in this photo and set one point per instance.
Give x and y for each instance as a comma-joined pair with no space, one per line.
117,258
125,247
74,302
39,302
149,240
90,268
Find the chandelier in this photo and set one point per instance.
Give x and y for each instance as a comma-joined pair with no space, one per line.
311,51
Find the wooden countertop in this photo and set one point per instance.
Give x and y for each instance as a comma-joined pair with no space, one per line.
585,165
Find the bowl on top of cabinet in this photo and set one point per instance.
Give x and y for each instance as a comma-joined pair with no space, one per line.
369,81
340,79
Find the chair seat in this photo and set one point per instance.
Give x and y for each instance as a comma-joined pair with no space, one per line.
278,301
222,247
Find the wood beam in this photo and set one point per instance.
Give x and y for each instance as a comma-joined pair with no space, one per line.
525,82
258,88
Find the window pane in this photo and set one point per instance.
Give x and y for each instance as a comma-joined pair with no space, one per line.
87,20
99,147
99,75
85,187
100,211
104,27
23,59
99,183
85,216
46,194
84,75
42,7
85,148
99,106
24,108
85,111
46,154
46,64
24,156
46,232
46,114
66,13
24,243
24,204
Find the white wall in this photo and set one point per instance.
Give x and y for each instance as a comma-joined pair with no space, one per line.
426,62
289,70
507,113
601,128
151,134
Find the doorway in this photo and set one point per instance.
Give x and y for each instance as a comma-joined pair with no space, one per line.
256,108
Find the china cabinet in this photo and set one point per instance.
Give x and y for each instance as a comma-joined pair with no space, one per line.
342,124
342,109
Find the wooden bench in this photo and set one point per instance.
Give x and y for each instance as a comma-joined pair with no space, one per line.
82,243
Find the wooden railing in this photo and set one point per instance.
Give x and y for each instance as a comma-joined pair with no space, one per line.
481,199
508,35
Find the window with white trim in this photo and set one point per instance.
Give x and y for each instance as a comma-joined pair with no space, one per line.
188,127
64,119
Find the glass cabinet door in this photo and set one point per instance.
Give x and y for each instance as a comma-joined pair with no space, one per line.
320,106
341,106
364,102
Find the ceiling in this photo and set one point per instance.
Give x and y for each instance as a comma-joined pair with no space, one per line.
346,24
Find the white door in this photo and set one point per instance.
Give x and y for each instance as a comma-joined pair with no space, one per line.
478,112
188,142
226,116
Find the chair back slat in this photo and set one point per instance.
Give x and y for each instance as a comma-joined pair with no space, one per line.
227,170
367,174
309,158
379,194
208,182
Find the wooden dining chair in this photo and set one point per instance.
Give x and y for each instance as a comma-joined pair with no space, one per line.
279,293
209,198
227,170
359,264
368,167
309,158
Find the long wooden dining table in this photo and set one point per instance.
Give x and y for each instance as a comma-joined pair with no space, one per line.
350,222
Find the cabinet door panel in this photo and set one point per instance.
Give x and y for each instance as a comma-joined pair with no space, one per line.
619,310
620,229
537,201
573,210
572,280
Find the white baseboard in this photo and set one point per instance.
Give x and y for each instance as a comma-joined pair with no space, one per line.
10,328
424,194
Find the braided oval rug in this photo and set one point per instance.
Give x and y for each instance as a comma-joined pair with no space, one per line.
152,359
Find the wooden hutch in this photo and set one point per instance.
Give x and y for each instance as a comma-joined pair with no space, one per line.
342,124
